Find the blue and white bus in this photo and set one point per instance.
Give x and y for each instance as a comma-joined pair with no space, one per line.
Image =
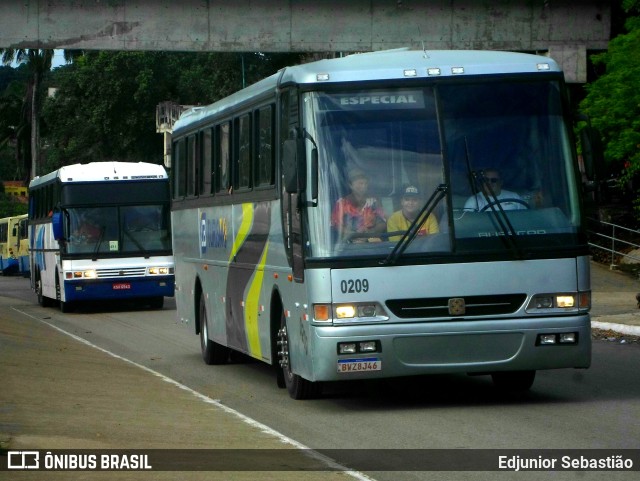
101,231
498,286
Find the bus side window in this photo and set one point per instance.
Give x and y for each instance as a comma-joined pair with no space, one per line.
265,151
206,158
223,156
242,142
180,170
191,165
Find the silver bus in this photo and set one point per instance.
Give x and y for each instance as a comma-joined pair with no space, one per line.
499,282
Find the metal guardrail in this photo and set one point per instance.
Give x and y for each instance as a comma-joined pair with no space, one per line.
615,241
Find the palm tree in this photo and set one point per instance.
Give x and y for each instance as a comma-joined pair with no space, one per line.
38,63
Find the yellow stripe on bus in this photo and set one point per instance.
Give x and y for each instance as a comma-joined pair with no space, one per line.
251,311
243,231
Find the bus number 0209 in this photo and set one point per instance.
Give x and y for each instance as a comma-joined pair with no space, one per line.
351,286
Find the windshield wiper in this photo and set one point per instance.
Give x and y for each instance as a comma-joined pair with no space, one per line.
412,231
137,243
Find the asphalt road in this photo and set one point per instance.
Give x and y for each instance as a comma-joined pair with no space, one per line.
596,408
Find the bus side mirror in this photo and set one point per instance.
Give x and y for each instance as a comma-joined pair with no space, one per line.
293,169
57,225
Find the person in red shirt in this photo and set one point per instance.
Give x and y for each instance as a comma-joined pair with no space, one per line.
358,213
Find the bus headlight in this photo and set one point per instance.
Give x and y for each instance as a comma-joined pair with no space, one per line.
159,271
560,302
85,274
344,313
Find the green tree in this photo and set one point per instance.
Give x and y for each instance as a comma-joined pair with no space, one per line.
14,133
613,100
104,108
38,63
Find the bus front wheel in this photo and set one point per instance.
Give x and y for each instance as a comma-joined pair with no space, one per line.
298,387
212,352
42,299
64,306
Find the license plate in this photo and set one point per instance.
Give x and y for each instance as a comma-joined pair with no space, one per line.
359,365
121,286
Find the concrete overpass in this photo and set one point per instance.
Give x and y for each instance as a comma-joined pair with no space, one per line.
565,29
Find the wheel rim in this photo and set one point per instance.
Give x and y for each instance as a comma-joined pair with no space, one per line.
204,330
283,353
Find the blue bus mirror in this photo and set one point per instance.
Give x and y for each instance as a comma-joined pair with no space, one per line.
56,224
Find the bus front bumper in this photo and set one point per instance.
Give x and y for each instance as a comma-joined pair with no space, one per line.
120,288
478,346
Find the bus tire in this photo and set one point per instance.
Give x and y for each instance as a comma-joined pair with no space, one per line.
212,352
42,299
513,381
297,386
64,306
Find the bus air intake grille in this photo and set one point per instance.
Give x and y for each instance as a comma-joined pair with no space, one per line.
441,306
127,272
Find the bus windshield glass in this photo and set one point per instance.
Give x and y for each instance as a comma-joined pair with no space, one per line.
127,229
488,164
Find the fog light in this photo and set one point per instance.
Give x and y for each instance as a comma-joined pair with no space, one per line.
368,346
546,339
568,338
347,348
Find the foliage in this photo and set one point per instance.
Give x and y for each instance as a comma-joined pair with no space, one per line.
104,108
613,100
10,206
37,64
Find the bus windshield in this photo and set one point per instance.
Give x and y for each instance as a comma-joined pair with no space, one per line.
128,229
499,150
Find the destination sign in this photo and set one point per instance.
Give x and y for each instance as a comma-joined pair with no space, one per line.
402,99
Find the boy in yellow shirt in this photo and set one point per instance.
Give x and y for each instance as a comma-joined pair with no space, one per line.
411,204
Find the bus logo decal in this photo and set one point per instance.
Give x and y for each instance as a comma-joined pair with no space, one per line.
457,306
213,232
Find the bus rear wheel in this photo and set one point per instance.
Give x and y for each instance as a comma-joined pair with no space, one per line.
212,352
513,381
298,387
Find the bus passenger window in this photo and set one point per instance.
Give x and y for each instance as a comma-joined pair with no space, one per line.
224,152
243,133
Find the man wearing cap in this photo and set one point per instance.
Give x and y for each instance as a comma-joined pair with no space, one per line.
401,220
357,213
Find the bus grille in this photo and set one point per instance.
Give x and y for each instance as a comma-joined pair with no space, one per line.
130,272
439,306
